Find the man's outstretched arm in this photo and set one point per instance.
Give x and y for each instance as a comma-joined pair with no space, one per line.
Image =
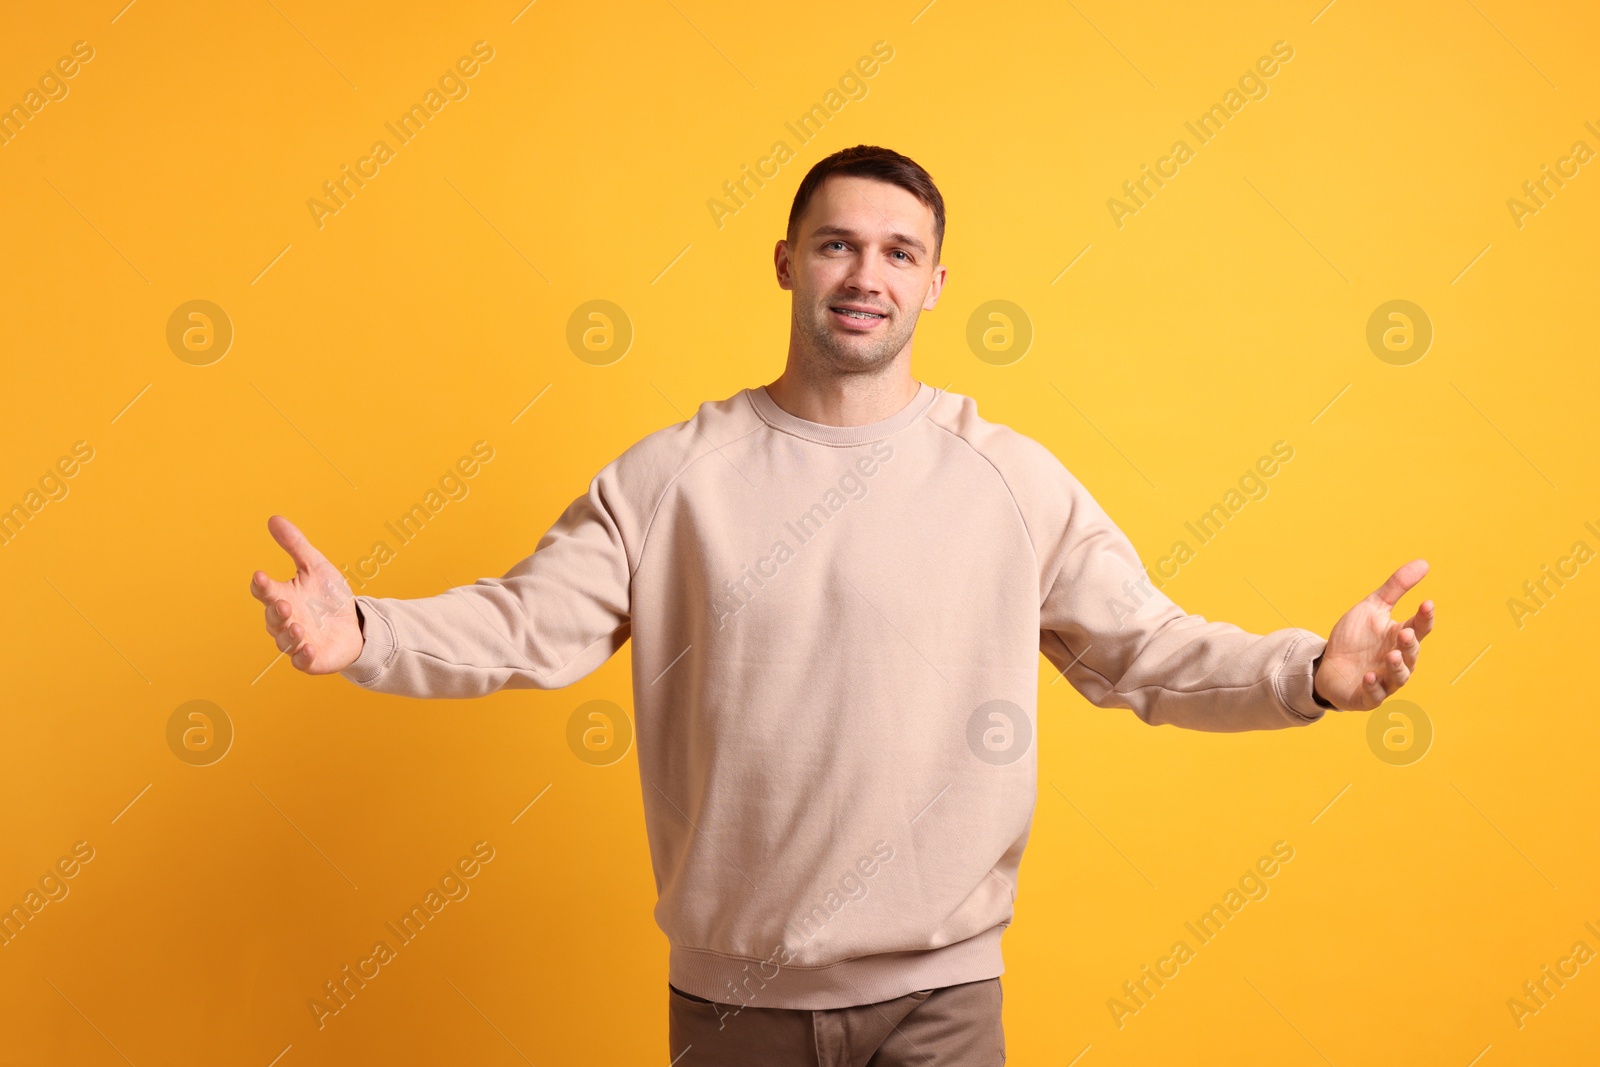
553,618
1123,643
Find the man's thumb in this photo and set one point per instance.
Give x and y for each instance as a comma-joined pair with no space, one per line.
292,541
1401,581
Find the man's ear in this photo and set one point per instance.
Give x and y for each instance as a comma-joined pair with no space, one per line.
935,287
780,262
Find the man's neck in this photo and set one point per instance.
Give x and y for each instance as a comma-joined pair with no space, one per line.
845,399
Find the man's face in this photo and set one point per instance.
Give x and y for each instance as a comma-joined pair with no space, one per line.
862,269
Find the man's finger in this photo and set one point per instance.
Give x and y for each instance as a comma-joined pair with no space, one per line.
1409,645
291,638
292,541
265,588
1395,673
1422,621
1400,581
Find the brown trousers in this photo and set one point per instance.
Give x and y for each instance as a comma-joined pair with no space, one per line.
954,1026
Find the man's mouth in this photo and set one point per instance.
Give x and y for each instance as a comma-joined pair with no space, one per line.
856,314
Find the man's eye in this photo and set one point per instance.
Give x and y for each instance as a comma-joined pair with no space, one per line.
903,252
830,244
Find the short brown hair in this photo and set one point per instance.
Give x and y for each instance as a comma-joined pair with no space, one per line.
879,164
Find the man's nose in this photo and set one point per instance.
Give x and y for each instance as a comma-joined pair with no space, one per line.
866,276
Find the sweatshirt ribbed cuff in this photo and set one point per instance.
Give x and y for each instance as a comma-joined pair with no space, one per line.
1294,679
377,649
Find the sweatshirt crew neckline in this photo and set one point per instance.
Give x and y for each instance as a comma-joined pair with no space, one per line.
822,433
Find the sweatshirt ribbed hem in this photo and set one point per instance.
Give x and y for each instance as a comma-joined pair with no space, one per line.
378,646
733,981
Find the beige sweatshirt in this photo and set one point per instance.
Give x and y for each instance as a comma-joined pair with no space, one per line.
835,674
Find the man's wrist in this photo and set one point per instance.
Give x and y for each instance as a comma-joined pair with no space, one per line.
1316,697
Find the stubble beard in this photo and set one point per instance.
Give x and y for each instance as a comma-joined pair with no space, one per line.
842,356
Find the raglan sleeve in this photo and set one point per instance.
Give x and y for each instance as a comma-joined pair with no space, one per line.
547,622
1123,643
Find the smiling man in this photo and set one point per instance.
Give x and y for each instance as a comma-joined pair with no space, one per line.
838,586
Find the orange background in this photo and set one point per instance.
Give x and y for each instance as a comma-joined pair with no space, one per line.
369,354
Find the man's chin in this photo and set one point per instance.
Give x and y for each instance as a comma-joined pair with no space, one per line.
857,356
853,350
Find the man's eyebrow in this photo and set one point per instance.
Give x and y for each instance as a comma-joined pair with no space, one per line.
844,231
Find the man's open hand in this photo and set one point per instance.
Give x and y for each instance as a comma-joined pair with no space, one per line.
312,616
1369,654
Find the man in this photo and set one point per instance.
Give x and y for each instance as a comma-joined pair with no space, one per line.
837,586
